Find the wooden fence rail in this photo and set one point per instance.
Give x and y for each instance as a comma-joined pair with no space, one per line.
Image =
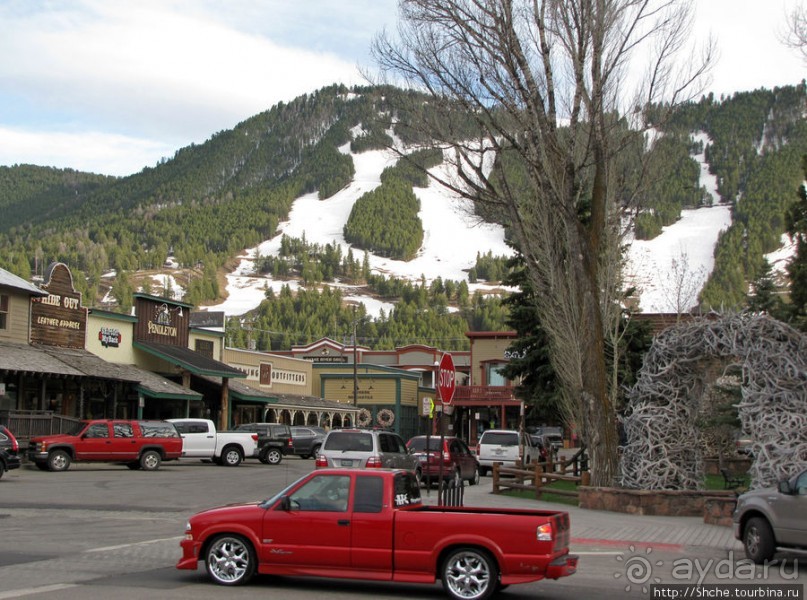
25,424
535,476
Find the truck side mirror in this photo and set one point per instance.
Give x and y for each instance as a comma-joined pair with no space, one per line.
784,487
285,503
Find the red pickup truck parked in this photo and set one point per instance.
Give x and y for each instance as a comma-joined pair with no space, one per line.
371,524
137,444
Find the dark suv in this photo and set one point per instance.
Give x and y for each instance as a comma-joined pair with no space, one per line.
306,441
458,462
274,440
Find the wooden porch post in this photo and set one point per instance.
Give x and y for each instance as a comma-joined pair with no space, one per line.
224,415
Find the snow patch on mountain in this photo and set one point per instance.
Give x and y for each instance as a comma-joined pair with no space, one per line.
668,271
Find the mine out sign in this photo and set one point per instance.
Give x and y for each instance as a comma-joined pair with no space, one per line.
446,379
58,319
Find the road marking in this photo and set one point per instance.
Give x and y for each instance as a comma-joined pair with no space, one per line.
37,590
157,541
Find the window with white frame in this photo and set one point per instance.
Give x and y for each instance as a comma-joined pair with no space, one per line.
493,376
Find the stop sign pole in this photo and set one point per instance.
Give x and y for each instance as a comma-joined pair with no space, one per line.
446,385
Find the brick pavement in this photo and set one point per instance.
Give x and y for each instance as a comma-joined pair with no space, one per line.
592,528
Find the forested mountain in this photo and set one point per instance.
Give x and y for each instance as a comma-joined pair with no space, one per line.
209,201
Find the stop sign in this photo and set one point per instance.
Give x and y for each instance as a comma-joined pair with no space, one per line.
446,379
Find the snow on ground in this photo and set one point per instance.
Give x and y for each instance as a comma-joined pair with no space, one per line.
679,260
452,238
681,257
168,282
670,270
779,258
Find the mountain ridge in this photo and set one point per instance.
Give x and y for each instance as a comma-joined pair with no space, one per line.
209,202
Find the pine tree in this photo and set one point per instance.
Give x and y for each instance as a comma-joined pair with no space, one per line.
796,221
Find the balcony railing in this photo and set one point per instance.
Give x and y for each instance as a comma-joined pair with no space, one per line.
484,394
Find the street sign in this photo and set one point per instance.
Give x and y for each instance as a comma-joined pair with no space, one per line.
427,408
446,379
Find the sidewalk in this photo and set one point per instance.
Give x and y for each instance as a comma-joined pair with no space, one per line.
601,529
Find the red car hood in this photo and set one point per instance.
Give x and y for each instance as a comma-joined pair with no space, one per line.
54,438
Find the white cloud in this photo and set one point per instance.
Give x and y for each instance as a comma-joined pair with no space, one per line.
85,151
157,75
150,70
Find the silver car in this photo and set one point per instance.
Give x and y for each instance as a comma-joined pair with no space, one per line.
367,449
773,519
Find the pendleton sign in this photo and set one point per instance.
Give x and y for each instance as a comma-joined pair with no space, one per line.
58,319
161,321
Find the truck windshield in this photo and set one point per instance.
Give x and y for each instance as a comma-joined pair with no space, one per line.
77,428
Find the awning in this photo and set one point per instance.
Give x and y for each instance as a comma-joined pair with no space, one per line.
239,390
76,362
191,361
153,385
27,359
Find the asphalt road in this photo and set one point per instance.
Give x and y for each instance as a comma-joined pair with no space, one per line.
103,531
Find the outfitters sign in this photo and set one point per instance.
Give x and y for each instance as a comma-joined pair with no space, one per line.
58,319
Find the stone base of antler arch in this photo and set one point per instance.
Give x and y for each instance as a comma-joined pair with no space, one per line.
711,505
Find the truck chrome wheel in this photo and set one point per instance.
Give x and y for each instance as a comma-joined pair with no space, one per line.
230,560
469,574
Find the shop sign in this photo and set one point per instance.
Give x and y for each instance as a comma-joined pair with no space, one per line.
58,319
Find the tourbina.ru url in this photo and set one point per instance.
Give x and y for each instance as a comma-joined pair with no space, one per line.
729,591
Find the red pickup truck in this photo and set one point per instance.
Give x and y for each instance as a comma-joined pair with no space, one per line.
137,444
371,524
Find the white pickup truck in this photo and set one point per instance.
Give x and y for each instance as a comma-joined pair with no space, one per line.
201,440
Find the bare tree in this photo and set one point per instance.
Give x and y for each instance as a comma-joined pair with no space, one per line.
796,36
546,82
683,285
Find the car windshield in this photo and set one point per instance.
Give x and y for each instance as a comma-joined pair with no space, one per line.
418,444
77,428
272,499
350,441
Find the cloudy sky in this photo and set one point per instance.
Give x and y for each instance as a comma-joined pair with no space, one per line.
112,86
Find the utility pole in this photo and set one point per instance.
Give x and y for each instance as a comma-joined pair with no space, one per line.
355,365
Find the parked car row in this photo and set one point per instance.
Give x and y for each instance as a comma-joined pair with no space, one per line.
145,444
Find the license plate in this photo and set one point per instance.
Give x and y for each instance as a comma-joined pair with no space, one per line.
423,458
347,463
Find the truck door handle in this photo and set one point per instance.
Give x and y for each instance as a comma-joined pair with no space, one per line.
343,522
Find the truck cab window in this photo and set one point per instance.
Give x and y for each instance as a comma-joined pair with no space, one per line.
97,430
369,495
